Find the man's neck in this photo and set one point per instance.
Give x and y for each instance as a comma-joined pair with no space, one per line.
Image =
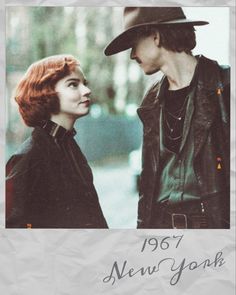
179,69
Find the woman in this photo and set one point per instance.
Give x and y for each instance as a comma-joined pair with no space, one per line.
49,183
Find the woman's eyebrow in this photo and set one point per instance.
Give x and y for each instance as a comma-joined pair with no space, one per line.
73,79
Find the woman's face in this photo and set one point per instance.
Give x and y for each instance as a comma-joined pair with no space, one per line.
73,94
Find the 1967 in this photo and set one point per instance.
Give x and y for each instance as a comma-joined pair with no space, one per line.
161,243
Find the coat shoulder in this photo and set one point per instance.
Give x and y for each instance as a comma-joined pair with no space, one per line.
28,156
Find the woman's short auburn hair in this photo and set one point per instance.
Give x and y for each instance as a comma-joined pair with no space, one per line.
35,93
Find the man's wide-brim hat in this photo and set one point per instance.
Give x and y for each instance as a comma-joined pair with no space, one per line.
137,17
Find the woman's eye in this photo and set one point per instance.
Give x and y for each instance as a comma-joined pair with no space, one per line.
73,84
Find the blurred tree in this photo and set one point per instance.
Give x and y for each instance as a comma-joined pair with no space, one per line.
52,31
98,68
36,32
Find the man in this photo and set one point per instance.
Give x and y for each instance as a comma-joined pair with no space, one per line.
185,174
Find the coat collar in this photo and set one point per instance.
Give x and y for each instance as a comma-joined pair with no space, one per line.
58,132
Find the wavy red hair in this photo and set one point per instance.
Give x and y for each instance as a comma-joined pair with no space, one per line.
35,93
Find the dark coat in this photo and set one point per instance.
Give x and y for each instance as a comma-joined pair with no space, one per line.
41,191
211,127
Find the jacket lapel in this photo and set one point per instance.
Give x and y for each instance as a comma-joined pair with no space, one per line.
205,111
149,113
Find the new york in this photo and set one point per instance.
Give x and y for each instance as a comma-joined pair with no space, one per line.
123,270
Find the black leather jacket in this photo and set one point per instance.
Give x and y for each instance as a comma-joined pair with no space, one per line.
211,125
41,191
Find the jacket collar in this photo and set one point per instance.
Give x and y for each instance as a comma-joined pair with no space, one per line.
58,132
148,107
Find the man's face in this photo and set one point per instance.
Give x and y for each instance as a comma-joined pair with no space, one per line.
147,53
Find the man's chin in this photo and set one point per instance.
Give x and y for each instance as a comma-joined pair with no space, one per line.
151,72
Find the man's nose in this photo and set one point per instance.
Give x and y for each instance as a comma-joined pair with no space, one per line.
132,53
86,91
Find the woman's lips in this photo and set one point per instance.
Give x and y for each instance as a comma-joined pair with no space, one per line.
85,102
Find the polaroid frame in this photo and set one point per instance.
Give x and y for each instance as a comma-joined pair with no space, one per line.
132,261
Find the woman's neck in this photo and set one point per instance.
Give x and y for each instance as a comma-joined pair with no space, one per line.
64,121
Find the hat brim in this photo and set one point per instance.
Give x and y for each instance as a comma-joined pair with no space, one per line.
124,41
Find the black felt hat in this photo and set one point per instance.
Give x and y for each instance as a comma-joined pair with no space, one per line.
138,17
